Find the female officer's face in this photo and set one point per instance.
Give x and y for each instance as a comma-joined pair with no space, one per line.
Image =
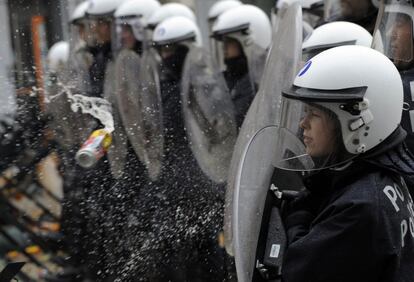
318,132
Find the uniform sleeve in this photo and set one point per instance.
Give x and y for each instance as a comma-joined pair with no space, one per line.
340,246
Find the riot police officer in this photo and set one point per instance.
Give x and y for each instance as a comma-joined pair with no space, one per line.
245,32
349,221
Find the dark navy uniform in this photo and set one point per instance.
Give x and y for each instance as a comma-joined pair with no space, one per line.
355,223
102,55
241,87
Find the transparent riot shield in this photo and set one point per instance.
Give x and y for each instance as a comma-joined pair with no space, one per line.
253,180
149,141
257,57
281,68
209,115
71,128
117,153
126,111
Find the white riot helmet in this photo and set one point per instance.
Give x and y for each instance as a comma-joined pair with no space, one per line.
333,35
58,56
142,9
131,18
346,91
394,32
79,12
216,10
177,30
103,8
170,10
247,24
220,7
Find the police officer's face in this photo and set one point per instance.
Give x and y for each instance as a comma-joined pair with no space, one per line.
103,31
127,37
231,48
402,40
318,132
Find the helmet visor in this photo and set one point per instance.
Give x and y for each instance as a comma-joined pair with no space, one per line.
309,137
394,34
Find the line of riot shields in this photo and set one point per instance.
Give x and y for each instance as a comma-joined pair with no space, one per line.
182,185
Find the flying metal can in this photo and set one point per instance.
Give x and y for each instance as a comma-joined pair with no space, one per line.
94,148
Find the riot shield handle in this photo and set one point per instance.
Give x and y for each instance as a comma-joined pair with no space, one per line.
270,266
285,195
271,263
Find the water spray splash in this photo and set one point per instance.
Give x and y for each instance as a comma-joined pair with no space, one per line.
99,108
